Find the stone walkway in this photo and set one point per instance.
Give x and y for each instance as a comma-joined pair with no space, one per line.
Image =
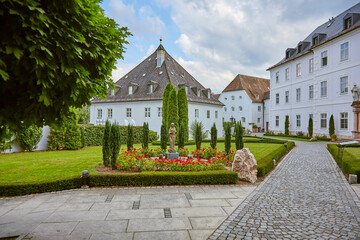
174,212
305,197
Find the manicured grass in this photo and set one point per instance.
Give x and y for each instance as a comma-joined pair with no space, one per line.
350,161
41,167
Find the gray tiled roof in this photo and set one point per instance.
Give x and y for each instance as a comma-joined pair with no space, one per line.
147,72
328,31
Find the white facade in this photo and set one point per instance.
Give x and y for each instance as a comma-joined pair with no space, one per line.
138,112
239,107
320,90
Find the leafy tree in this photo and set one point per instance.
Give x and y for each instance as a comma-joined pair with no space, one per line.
84,114
181,142
5,139
239,136
106,144
193,130
54,55
114,144
310,128
331,125
183,111
213,136
198,134
29,137
130,137
166,93
227,130
287,125
164,137
172,108
145,142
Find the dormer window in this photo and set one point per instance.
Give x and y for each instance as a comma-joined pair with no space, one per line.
287,54
112,92
187,90
130,90
315,40
150,88
347,23
299,48
199,93
209,94
256,96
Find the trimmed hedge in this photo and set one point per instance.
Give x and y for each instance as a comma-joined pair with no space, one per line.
267,162
321,138
93,135
131,179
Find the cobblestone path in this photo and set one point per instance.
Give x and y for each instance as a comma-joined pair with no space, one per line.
305,197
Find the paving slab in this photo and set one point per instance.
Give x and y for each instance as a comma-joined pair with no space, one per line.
206,223
112,236
100,227
209,203
200,234
61,216
164,235
166,224
211,195
111,205
132,214
198,212
63,229
164,201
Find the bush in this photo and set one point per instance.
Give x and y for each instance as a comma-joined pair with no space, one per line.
183,112
239,136
164,137
198,133
72,139
56,139
114,144
145,142
106,144
227,130
331,125
181,142
310,128
5,138
130,137
166,93
287,125
213,136
173,111
28,138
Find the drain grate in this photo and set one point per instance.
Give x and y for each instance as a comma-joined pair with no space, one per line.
136,205
109,198
167,213
188,196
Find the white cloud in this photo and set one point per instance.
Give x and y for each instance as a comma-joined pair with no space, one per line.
121,70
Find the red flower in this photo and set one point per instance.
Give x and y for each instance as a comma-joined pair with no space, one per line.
117,165
150,169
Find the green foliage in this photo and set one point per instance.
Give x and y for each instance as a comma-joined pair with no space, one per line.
239,136
106,144
82,137
130,137
5,138
193,130
54,55
164,137
29,137
310,128
145,142
181,142
183,111
331,125
72,140
227,130
287,125
114,144
166,93
198,129
213,137
172,108
84,114
56,139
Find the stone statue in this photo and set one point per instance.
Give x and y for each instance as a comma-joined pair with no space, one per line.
172,133
356,93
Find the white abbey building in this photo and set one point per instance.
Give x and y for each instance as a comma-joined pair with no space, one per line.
244,101
138,96
315,79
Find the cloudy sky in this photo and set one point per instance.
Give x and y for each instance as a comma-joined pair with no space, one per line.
217,39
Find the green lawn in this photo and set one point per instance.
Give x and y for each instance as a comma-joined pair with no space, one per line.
39,167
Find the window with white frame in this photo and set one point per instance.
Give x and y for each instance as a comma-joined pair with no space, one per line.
196,113
208,113
344,89
287,74
256,96
259,108
225,109
199,93
240,97
276,121
150,88
323,120
147,112
298,120
324,59
298,94
130,90
344,118
277,99
159,111
110,112
277,77
259,120
323,89
243,119
232,97
232,109
240,108
344,51
128,112
99,113
298,69
311,65
311,92
216,114
287,96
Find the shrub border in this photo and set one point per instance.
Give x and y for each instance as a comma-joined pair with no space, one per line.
130,179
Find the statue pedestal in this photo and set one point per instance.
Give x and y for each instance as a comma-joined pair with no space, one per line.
171,156
356,110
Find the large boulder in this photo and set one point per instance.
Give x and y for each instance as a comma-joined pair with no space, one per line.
245,165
